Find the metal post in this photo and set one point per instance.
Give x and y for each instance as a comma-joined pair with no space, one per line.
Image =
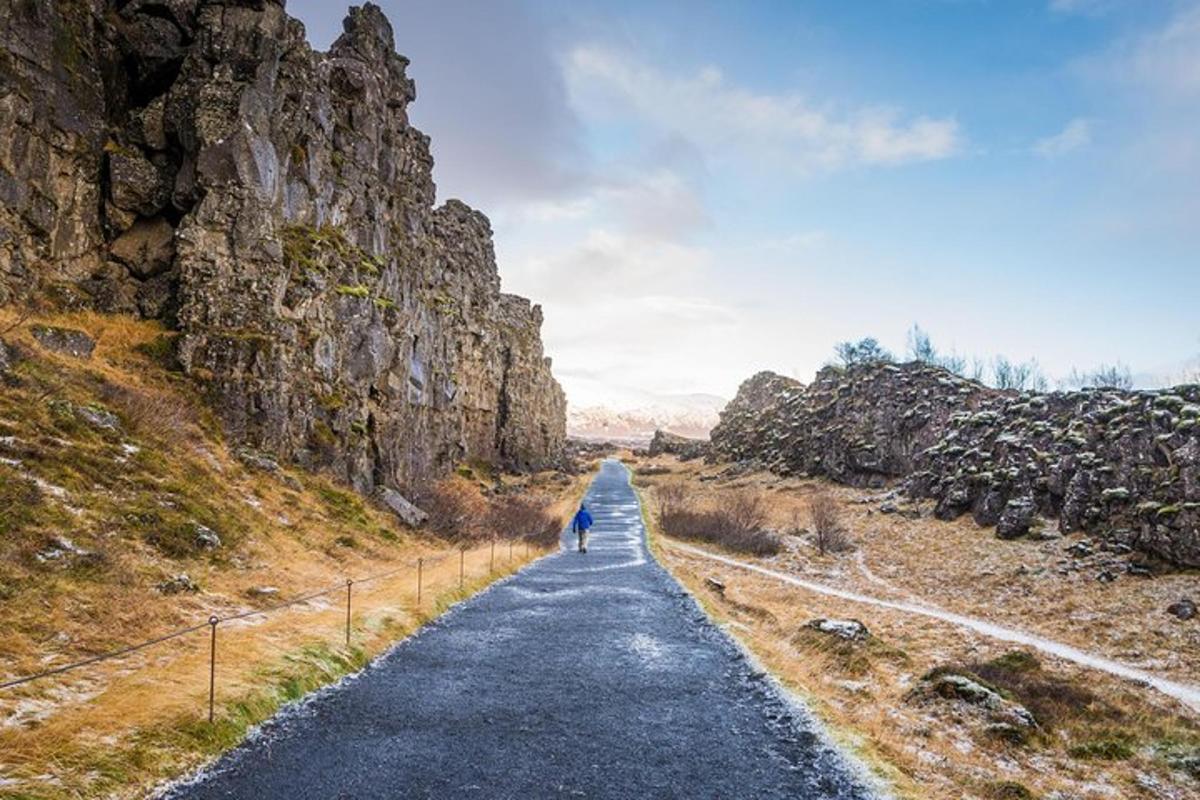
212,670
349,583
492,563
420,569
462,563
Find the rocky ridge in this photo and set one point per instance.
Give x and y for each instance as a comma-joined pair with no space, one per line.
1122,465
196,161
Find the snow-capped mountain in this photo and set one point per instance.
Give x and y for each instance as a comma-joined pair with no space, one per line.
692,415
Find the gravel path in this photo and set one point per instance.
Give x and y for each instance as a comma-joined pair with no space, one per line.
586,675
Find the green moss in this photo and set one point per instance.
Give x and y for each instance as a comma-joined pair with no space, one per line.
299,155
1016,661
331,402
344,506
162,350
383,304
358,428
1111,746
354,291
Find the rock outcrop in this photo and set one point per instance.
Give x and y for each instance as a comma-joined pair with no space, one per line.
680,446
196,161
1124,465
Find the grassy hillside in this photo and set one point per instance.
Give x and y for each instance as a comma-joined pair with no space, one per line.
125,514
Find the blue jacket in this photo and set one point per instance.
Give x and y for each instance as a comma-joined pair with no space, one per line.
582,521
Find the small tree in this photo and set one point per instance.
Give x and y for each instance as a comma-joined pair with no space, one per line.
864,351
1116,376
746,510
826,518
1023,376
921,348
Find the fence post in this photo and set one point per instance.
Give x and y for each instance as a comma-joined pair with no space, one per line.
420,569
462,561
349,583
492,563
212,669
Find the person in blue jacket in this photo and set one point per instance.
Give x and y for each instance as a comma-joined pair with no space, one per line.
581,523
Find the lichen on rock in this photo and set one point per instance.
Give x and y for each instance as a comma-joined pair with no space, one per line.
1114,463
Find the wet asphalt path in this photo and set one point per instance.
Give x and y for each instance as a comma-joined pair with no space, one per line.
587,676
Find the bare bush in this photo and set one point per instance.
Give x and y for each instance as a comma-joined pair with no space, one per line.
515,517
826,518
670,497
151,411
746,509
456,510
737,524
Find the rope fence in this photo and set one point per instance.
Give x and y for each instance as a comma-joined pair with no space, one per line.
214,621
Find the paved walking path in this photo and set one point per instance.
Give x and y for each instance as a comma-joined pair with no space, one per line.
586,676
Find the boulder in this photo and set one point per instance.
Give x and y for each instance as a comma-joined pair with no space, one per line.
850,630
135,183
64,340
1016,518
147,248
206,538
178,584
399,505
1184,609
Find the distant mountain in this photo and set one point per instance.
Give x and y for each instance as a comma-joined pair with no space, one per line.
692,415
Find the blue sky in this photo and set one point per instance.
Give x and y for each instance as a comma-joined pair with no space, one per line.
696,191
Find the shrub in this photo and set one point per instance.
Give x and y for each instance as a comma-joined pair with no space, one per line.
1007,790
521,518
669,498
736,524
826,518
456,509
150,411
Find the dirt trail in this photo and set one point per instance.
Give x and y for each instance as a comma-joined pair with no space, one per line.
1186,693
585,675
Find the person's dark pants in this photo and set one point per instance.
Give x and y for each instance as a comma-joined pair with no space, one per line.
583,537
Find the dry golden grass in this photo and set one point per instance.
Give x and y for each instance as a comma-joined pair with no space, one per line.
131,496
1100,738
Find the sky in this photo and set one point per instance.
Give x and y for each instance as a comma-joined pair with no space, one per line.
696,191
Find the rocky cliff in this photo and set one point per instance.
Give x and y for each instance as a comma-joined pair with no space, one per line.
1121,464
196,161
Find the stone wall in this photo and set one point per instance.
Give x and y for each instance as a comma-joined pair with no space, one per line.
196,161
1122,464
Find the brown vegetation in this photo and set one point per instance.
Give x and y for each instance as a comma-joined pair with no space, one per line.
737,524
828,530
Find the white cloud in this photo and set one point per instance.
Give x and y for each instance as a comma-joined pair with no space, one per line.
728,120
1168,60
1076,134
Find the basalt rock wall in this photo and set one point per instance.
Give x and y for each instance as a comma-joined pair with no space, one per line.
1121,464
196,161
